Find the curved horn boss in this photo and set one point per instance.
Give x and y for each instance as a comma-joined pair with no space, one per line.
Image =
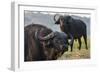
57,18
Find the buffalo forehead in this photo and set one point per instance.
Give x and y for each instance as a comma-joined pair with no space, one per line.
60,35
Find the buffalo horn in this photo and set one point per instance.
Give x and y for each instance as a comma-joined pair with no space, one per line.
51,35
55,16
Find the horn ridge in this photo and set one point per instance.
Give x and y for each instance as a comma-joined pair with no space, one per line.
47,37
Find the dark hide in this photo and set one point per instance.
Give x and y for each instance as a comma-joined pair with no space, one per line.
74,28
39,43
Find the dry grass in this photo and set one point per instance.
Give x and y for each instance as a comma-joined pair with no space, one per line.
77,54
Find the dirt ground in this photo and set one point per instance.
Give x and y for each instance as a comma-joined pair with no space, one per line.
76,53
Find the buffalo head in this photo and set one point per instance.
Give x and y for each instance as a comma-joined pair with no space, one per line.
54,40
60,41
62,20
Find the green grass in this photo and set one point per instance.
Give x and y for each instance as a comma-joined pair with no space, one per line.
76,53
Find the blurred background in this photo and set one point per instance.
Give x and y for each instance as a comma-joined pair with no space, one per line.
47,19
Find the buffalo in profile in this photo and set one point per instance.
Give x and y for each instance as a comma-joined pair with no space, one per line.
74,28
41,43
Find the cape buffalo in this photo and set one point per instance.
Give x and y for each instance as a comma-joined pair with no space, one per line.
74,28
41,43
